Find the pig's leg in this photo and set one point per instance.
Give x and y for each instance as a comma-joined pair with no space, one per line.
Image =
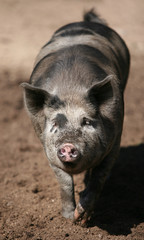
67,192
94,184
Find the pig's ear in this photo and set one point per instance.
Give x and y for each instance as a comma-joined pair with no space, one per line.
102,91
34,98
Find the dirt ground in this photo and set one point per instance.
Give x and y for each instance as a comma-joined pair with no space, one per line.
29,193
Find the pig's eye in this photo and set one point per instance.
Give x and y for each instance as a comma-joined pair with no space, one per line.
54,124
86,122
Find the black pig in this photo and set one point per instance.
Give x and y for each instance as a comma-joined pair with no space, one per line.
75,101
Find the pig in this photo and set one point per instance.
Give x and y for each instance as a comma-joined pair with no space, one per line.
75,99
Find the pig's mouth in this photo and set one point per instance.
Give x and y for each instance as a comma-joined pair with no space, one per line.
70,164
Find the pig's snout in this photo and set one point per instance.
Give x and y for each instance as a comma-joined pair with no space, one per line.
68,153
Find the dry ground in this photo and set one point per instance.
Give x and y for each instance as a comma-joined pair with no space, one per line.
29,193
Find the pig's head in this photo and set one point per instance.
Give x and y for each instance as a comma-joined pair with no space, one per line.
77,128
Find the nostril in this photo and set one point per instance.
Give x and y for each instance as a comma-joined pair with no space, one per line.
62,151
74,152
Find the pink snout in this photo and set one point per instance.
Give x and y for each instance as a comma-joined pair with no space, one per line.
68,153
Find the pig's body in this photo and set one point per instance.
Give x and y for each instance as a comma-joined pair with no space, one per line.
75,101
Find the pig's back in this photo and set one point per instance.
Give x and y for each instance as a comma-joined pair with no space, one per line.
94,41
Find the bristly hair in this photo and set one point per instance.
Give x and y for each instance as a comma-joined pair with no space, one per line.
92,16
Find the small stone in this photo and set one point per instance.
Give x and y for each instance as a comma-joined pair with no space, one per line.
66,235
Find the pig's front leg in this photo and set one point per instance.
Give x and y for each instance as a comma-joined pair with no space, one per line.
67,192
95,180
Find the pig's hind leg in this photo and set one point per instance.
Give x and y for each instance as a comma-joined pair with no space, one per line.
95,179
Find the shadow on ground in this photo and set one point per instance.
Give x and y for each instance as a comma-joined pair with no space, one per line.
121,205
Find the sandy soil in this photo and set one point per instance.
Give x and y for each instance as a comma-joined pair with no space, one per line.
29,193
